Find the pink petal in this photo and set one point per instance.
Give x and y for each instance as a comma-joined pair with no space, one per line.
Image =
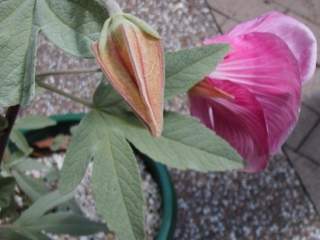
295,34
263,64
240,121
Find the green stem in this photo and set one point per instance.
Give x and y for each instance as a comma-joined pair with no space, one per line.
67,72
62,93
112,7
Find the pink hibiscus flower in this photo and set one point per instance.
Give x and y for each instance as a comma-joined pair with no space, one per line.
252,99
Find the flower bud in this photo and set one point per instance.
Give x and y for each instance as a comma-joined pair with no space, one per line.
130,54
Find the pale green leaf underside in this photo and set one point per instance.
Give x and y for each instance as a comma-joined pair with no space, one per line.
34,122
71,25
17,51
116,180
63,223
19,234
117,188
187,67
33,188
185,144
20,141
80,151
184,69
42,205
23,164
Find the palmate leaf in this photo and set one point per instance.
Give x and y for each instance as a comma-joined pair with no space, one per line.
187,67
116,179
33,188
63,223
70,24
42,205
18,35
80,152
19,234
33,122
27,164
57,223
184,69
185,143
20,141
117,188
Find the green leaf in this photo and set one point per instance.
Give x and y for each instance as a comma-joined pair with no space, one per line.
34,122
71,25
71,206
27,164
17,51
64,223
79,154
106,99
187,67
6,191
184,69
117,188
28,84
185,144
20,141
42,205
33,188
116,179
9,233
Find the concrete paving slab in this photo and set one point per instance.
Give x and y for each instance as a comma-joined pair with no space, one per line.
309,174
307,121
308,9
313,98
311,88
311,147
240,10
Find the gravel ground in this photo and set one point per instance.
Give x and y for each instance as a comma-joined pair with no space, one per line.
269,205
85,200
152,198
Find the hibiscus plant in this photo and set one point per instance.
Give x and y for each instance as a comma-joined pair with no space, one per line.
244,90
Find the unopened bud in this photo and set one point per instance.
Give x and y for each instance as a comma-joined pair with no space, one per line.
130,54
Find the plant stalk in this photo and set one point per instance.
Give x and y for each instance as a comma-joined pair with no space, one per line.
62,93
11,115
67,72
112,7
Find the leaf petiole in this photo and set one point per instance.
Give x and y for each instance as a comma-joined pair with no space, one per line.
65,94
67,72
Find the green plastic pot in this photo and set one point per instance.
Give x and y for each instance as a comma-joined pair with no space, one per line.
158,171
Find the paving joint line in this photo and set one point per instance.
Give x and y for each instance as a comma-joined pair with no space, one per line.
310,159
303,186
296,12
312,109
306,137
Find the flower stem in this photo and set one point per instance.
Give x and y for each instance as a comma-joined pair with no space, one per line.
62,93
67,72
112,7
